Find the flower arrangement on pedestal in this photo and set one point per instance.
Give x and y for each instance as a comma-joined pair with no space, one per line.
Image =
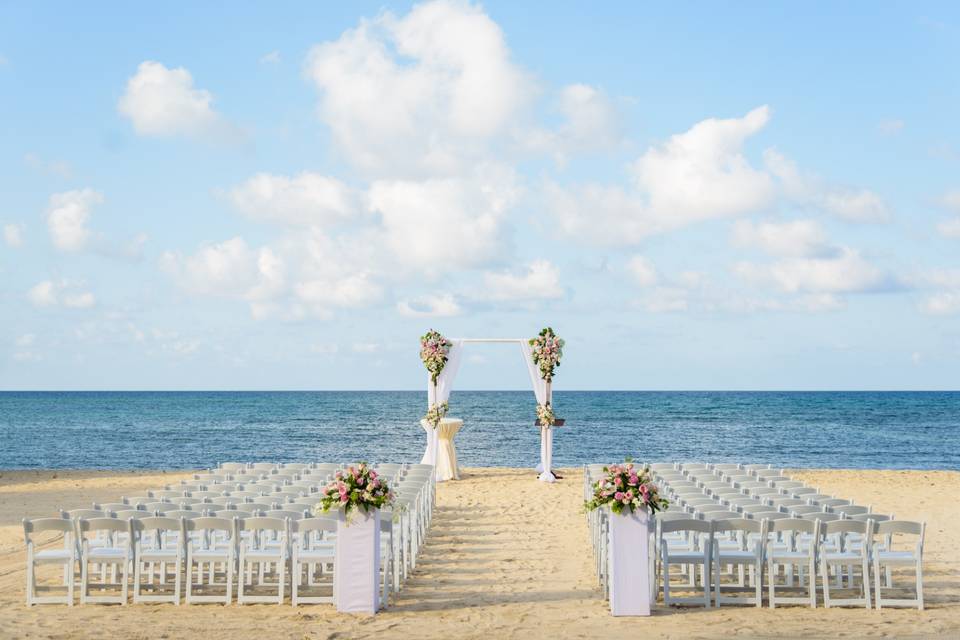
357,488
626,488
545,415
436,413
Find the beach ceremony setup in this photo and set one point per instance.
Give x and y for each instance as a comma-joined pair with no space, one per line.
479,320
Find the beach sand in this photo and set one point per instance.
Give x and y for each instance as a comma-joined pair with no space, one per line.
507,557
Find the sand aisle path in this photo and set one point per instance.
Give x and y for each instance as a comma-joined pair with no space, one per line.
507,557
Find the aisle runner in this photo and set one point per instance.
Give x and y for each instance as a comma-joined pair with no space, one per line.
490,551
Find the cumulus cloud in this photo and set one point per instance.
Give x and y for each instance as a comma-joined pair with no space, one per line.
13,234
951,201
847,272
56,168
436,306
305,199
642,271
696,175
160,101
945,303
425,91
229,268
806,189
67,217
797,238
440,223
272,57
539,280
890,126
62,293
590,123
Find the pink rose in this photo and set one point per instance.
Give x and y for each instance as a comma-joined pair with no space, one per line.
618,496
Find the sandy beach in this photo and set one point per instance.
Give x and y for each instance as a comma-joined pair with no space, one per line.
506,557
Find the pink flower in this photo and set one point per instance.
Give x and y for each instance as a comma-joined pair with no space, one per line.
618,481
634,479
618,495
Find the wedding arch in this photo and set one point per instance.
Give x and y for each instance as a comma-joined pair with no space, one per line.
443,370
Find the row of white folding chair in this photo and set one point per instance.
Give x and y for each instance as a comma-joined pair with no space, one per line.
238,549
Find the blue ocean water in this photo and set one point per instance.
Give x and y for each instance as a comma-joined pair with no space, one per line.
122,430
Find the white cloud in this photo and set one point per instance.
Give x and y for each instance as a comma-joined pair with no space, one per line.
49,293
848,203
946,303
539,280
272,57
590,122
890,126
696,175
26,340
797,238
305,199
229,269
951,200
439,306
666,300
642,271
67,217
366,347
438,224
13,234
421,92
845,273
160,101
4,60
950,228
52,167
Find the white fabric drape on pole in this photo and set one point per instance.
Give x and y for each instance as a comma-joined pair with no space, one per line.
543,392
441,394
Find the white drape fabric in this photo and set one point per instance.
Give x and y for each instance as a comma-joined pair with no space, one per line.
629,564
447,468
446,377
539,384
356,575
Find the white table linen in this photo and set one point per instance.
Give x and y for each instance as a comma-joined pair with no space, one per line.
356,575
629,563
441,452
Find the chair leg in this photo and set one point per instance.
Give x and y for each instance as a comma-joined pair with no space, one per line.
876,582
825,576
771,577
758,579
31,568
812,582
865,579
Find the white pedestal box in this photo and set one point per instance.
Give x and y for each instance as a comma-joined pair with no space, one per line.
629,568
356,573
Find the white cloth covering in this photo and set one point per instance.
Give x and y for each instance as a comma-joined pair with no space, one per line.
543,392
445,380
440,446
629,564
356,575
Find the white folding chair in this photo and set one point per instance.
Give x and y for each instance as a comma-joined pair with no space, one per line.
886,557
116,555
149,535
202,536
313,551
743,550
263,544
65,557
701,533
841,557
786,548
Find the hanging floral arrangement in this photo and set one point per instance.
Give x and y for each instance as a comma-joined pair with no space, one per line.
434,352
547,349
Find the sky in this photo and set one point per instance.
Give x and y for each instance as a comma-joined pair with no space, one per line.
694,196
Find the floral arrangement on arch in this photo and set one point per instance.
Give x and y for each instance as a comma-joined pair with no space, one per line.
545,415
436,413
357,488
547,349
434,352
626,488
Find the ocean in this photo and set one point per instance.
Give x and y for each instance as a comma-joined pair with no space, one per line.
186,430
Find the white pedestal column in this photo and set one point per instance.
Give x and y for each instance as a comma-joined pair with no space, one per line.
546,475
356,575
430,454
629,564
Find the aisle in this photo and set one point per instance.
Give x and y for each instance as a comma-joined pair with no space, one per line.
503,546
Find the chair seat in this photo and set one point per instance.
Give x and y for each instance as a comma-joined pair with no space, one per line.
887,557
157,554
778,554
727,555
264,554
311,555
690,558
842,556
52,554
106,553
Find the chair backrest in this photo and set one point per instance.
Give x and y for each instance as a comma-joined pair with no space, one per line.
766,515
802,510
747,525
876,517
110,506
185,501
711,508
821,516
900,526
250,507
226,513
262,523
181,513
132,514
133,500
845,526
76,514
851,510
208,523
803,491
795,525
85,525
313,524
282,513
686,524
834,502
40,525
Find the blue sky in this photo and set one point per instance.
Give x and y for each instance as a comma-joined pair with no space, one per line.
702,196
